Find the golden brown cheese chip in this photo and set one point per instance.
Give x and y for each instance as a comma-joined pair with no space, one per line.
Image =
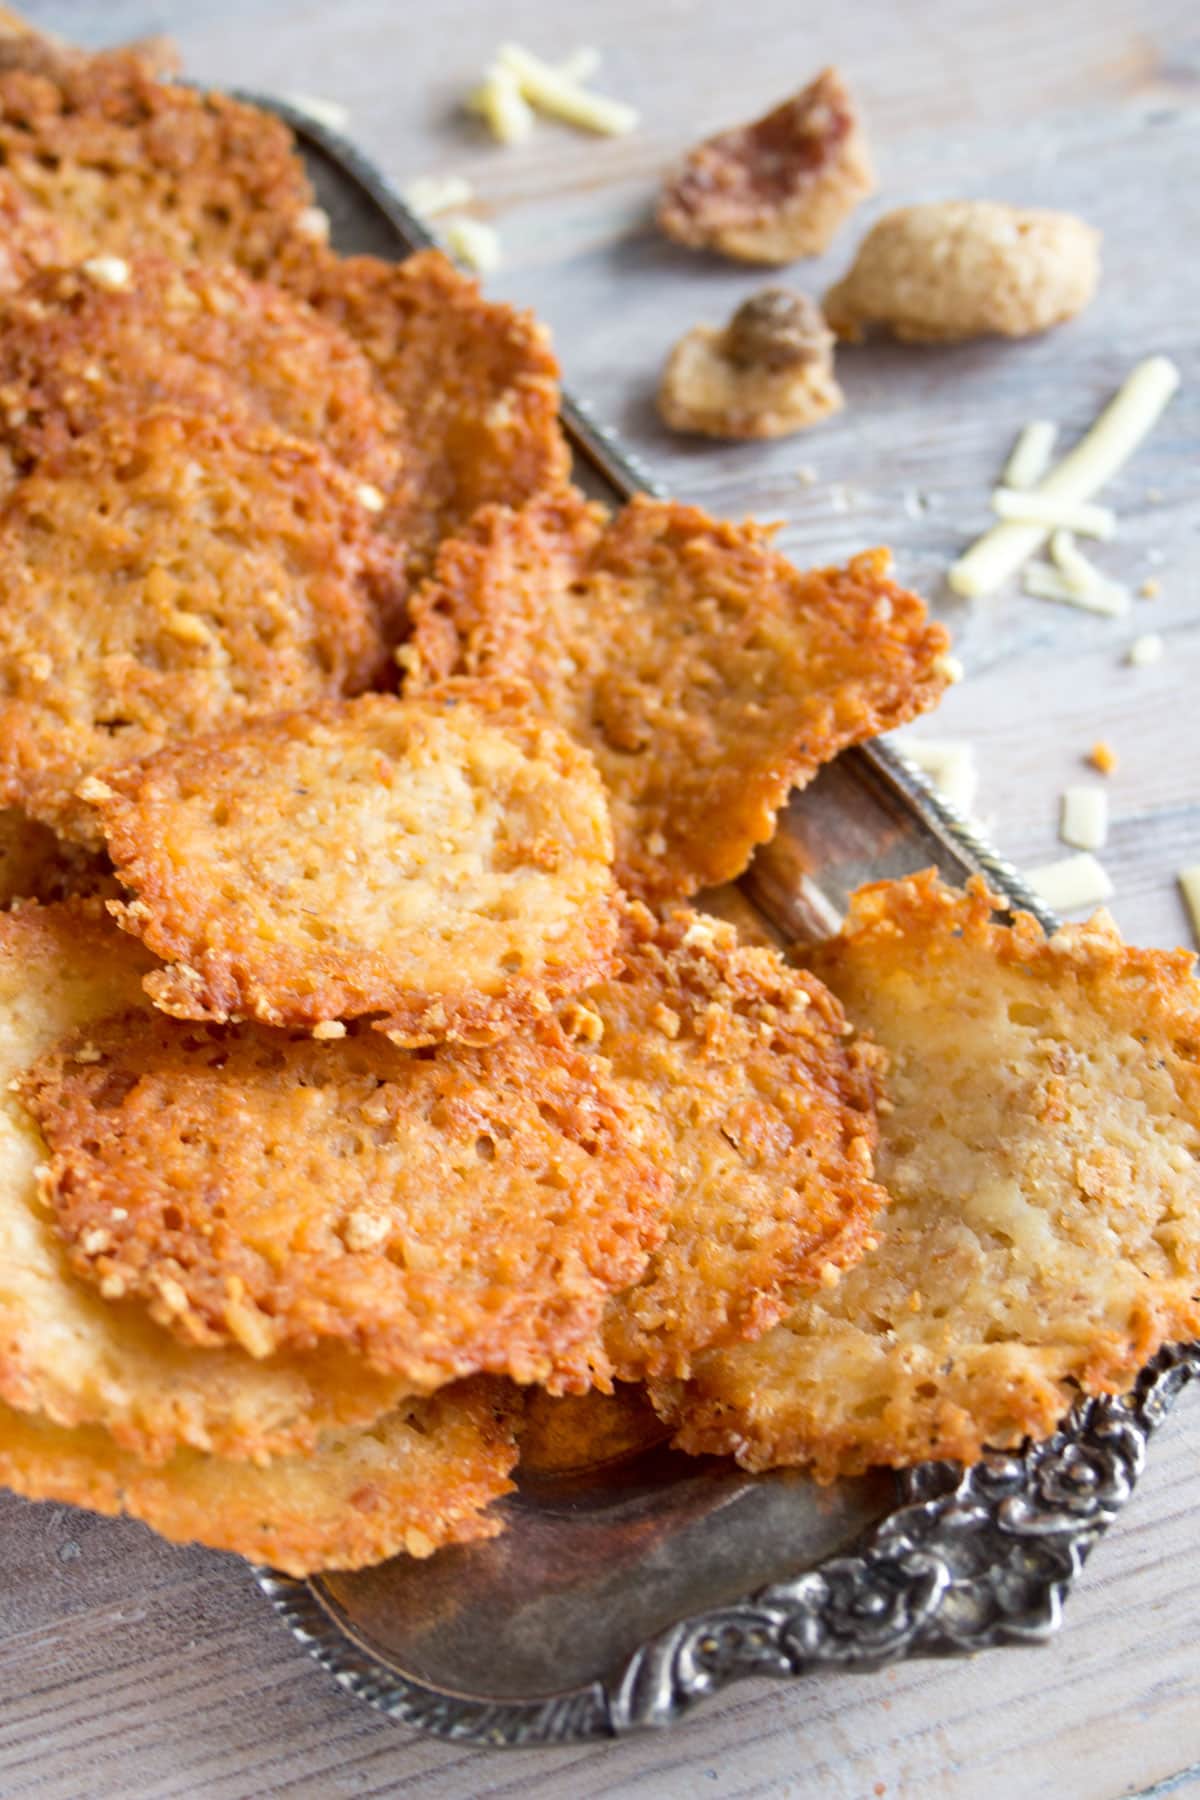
414,1482
35,864
75,349
569,1434
66,1353
443,1213
476,383
706,675
778,188
751,1093
29,235
1043,1235
956,269
167,575
126,163
442,862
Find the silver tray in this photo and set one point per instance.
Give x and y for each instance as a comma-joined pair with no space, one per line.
620,1594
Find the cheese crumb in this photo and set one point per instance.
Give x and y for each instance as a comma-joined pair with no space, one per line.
111,272
369,497
474,244
313,223
1150,588
950,668
1072,883
1128,418
330,113
1103,757
1189,883
553,92
433,194
1084,822
1030,457
327,1030
1145,650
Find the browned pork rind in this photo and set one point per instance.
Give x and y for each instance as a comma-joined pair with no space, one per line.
1042,1152
779,188
766,374
706,674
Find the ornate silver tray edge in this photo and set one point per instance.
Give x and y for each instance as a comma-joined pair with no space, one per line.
970,1559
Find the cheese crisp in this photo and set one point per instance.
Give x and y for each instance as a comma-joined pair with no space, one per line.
440,863
67,1354
417,1480
443,1214
1043,1237
74,350
166,575
126,163
752,1096
705,674
476,383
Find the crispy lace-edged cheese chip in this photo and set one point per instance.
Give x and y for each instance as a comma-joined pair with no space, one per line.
706,675
64,1352
778,188
443,862
164,576
444,1213
753,1095
35,864
126,163
573,1433
29,236
74,350
476,383
414,1482
1043,1235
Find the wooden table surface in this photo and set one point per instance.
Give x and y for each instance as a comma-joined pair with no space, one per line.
131,1669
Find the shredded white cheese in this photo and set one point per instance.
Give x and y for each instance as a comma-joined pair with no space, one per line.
474,244
949,764
1043,509
501,105
1145,650
552,92
1045,583
1112,440
1073,565
1074,882
1084,821
330,113
1031,455
1189,883
433,194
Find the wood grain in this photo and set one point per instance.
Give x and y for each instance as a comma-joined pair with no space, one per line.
129,1669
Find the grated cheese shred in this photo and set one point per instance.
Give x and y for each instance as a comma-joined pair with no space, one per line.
1043,509
1189,884
1031,455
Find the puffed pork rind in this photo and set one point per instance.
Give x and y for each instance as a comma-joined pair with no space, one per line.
702,390
167,575
706,674
75,350
417,1480
442,1214
1043,1235
957,269
776,189
443,864
66,1353
755,1097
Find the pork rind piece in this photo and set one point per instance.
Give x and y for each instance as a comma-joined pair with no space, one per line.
752,1093
67,1354
957,269
166,575
766,374
706,675
443,864
779,188
414,1482
1043,1237
476,383
126,164
75,350
442,1214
